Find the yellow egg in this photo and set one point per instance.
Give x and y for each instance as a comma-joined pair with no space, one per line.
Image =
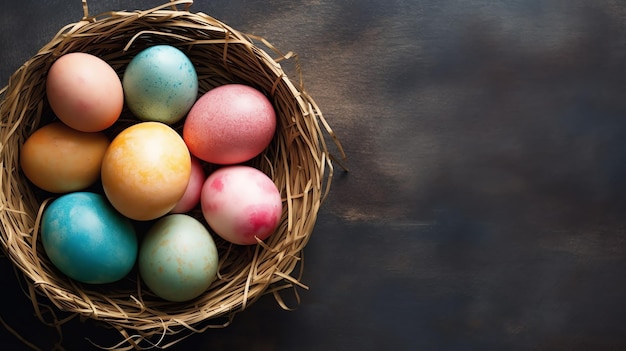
145,170
59,159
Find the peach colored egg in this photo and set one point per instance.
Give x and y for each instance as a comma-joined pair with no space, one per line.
59,159
145,170
191,197
84,91
230,124
241,203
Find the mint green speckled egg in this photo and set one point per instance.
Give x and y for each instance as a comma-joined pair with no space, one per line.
160,84
178,258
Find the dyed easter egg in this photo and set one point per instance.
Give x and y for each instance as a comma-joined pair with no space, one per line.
191,197
178,258
60,159
145,170
160,84
86,239
84,91
241,204
230,124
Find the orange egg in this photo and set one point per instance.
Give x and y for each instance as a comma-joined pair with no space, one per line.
59,159
85,92
145,170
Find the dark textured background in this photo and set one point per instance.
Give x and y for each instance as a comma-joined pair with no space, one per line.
484,207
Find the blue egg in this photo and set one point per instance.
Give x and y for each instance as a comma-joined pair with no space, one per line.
87,239
160,84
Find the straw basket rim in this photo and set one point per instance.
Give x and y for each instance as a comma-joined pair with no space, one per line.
298,161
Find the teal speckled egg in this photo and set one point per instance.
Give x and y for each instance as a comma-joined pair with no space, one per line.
160,84
178,258
87,239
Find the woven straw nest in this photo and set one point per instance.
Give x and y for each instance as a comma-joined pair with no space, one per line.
297,160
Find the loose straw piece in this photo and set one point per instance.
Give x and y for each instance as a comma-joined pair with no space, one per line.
297,160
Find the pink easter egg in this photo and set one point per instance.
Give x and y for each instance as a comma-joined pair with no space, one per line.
230,124
241,203
191,197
